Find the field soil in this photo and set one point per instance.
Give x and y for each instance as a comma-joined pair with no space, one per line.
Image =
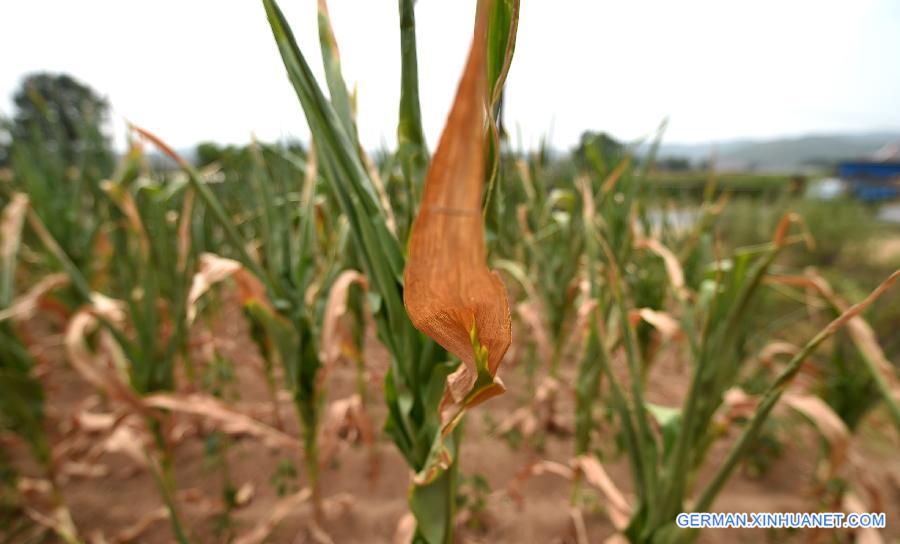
112,498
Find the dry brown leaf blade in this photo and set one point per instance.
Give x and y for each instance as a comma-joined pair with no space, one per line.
776,348
231,421
673,266
536,468
98,370
859,329
530,313
830,425
128,206
346,421
25,306
128,442
667,325
736,404
282,509
581,536
212,270
449,292
11,221
586,308
618,507
334,338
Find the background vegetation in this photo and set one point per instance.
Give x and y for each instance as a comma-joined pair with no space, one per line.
659,314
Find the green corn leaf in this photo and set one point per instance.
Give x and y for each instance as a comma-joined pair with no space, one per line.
272,229
503,22
340,98
669,421
345,172
22,406
411,146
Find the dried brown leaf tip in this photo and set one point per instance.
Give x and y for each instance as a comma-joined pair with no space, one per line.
11,220
450,293
336,339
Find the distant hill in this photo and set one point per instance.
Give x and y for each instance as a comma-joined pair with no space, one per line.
785,153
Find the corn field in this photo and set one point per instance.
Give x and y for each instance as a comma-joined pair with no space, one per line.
470,343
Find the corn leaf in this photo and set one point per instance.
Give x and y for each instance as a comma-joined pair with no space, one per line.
449,289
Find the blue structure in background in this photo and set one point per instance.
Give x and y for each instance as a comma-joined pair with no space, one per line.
871,181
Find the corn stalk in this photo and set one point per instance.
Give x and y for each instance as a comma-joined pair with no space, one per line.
419,367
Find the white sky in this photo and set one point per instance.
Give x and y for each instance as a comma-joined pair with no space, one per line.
194,70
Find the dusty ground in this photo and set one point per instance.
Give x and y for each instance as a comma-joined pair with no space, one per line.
120,494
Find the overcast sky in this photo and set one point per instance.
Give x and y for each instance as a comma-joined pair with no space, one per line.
194,70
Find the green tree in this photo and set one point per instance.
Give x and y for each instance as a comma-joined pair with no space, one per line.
599,151
58,154
674,164
64,116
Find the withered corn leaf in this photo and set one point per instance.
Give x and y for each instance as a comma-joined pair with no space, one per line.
449,291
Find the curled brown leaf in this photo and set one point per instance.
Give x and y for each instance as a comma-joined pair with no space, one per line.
536,468
229,420
667,325
449,292
335,338
830,426
25,306
347,421
673,266
98,369
210,272
618,507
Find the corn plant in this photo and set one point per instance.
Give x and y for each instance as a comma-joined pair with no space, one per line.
281,321
23,396
22,401
299,253
144,328
547,245
713,318
419,367
63,188
153,263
